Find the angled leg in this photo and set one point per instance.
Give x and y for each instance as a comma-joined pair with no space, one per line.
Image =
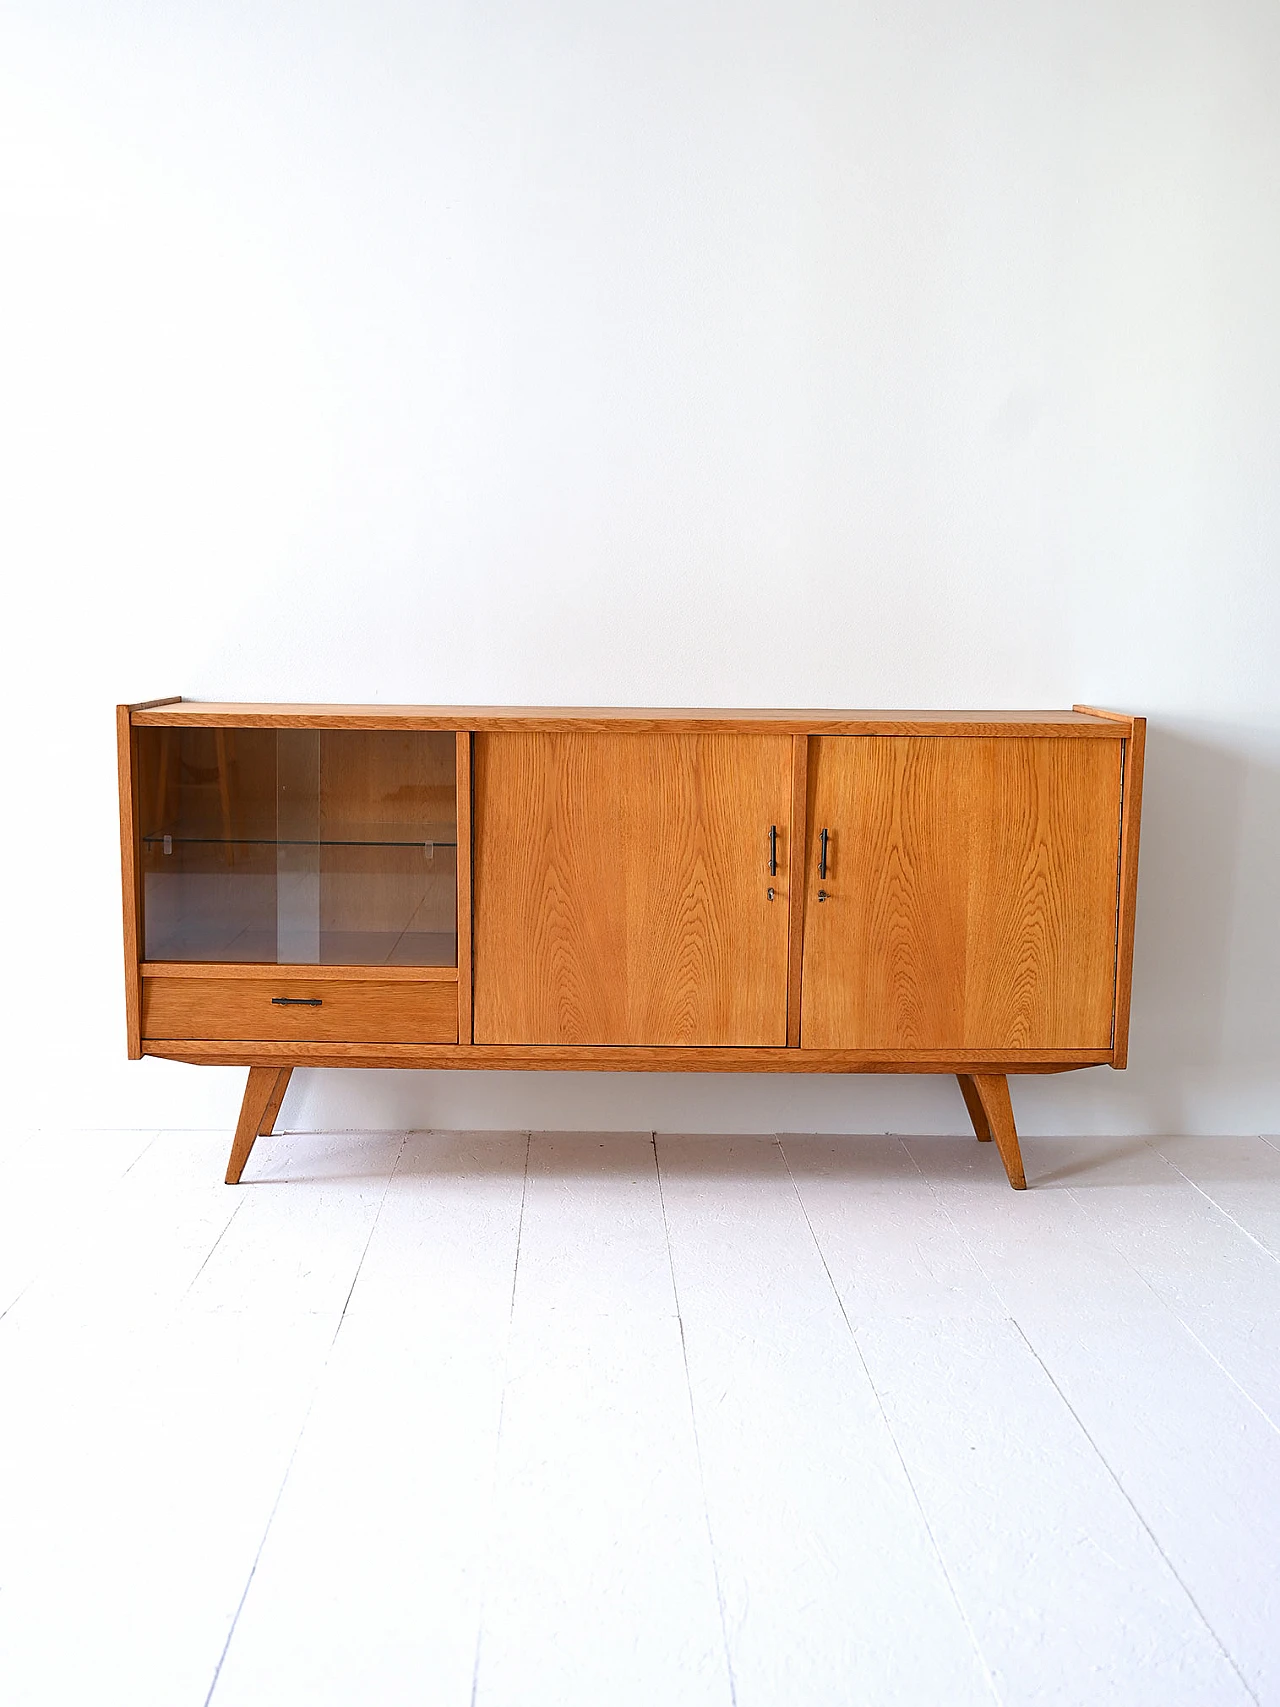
268,1120
973,1102
258,1094
993,1092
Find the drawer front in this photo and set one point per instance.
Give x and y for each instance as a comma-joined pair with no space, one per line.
251,1010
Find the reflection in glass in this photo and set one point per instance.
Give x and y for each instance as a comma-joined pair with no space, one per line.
300,846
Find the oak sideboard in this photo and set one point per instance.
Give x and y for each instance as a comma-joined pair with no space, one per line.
629,890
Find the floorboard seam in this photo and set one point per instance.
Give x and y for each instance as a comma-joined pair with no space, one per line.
1127,1497
1075,1415
693,1419
302,1428
239,1205
915,1495
141,1153
1166,1305
1225,1213
502,1405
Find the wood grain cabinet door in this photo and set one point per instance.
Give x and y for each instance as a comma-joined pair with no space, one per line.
621,889
970,896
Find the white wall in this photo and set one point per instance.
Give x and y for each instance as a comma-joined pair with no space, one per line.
778,353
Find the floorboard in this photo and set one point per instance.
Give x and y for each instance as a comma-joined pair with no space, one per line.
1013,1488
369,1580
1239,1176
142,1449
1196,1458
1217,1279
481,1420
51,1184
600,1585
296,1242
826,1565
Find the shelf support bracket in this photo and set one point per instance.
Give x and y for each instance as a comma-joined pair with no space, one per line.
263,1094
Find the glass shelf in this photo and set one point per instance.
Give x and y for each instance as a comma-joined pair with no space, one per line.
432,836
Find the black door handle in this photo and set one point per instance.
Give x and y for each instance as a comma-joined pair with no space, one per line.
296,1002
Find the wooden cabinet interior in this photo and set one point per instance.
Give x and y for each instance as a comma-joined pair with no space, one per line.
630,890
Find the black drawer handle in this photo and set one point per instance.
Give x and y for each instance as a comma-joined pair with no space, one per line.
296,1002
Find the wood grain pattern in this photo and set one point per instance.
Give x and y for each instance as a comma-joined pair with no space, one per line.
971,894
1123,717
607,719
221,1009
621,889
973,1102
795,886
258,1092
568,1058
270,972
463,796
130,881
1135,729
993,1090
274,1100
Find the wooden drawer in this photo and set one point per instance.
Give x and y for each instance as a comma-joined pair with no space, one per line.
250,1010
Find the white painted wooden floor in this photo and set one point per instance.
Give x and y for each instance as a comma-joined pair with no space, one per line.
448,1419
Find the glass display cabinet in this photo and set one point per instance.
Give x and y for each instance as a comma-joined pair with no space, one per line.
305,847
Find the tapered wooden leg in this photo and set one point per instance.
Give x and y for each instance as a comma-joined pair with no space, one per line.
273,1106
993,1092
258,1094
973,1102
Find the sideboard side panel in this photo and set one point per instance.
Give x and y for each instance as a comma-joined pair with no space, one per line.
129,881
1131,823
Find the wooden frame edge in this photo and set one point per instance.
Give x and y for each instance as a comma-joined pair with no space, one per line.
1135,741
130,881
1110,716
796,858
130,875
270,971
495,720
1130,835
619,1059
463,788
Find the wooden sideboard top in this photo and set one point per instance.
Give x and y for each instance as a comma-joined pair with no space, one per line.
180,713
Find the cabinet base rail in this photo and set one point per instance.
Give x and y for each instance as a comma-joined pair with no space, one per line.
986,1096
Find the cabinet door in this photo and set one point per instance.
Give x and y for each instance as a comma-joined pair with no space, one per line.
970,896
621,889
